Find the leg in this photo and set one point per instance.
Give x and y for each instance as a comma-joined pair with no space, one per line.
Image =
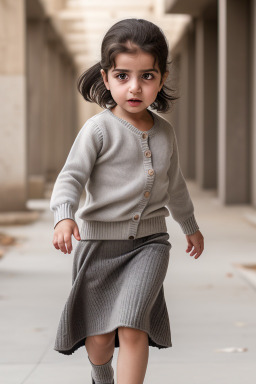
100,348
133,356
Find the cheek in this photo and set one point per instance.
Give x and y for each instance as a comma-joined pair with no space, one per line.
153,90
117,94
117,90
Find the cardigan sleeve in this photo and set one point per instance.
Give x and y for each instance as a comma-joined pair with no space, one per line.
76,171
180,203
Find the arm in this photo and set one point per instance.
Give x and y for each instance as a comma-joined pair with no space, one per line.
76,171
180,203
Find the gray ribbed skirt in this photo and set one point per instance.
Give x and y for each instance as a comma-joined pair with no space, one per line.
117,283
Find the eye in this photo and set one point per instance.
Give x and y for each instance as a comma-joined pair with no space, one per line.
146,76
121,76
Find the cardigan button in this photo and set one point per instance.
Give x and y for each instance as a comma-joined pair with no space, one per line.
148,153
131,237
144,135
136,217
146,194
151,172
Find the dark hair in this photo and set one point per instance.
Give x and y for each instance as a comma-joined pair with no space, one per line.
143,35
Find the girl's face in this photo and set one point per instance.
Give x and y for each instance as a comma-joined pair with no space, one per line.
134,78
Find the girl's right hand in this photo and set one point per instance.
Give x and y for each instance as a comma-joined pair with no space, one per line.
62,235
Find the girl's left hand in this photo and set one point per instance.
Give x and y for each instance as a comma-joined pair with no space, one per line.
196,240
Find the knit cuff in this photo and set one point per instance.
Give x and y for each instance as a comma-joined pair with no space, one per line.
63,211
189,226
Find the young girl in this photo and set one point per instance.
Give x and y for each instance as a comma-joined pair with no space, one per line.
126,158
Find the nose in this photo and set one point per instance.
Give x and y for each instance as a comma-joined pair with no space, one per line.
135,86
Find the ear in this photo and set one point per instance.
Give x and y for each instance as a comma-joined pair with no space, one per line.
104,76
163,80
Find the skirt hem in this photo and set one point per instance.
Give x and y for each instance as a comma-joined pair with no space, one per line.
81,342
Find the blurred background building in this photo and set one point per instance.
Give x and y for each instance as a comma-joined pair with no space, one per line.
46,44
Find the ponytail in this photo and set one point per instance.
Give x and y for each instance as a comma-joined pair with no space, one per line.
91,86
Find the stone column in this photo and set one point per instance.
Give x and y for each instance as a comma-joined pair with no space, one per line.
174,74
182,128
45,113
191,116
253,102
67,98
186,127
72,117
35,102
183,116
233,102
206,102
56,143
60,103
13,144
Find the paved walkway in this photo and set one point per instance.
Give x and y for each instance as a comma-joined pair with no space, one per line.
211,304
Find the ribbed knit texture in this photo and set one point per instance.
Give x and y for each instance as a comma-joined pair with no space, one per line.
98,229
116,283
102,374
132,180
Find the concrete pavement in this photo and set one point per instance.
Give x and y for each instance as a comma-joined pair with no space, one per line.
211,303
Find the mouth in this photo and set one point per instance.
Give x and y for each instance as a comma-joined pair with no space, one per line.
134,102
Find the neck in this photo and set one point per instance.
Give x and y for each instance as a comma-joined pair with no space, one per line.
142,116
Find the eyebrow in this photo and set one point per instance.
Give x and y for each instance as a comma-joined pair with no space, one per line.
142,70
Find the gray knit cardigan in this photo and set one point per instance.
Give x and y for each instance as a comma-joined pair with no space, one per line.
132,180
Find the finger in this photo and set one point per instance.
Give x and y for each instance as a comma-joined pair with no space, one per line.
199,252
201,246
189,245
76,234
67,239
61,243
193,252
55,242
196,249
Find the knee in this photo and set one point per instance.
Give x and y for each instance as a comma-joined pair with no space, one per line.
104,340
131,335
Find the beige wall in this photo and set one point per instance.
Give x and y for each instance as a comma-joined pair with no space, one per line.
38,115
225,89
13,143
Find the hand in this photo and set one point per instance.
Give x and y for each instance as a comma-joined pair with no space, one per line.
62,235
196,240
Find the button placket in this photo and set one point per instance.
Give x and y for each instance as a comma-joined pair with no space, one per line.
150,176
150,171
